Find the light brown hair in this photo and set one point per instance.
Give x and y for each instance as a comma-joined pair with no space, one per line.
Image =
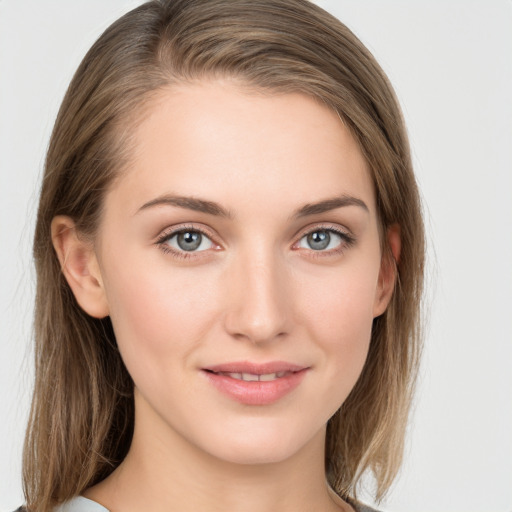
82,413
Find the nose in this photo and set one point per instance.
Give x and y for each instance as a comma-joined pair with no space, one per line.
259,303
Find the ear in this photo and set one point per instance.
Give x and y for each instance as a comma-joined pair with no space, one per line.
388,270
79,266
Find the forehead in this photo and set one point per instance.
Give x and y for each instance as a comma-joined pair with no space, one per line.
224,142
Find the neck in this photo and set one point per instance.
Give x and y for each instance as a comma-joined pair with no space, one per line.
165,472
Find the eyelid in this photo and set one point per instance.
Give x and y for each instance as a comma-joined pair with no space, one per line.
348,239
169,232
326,226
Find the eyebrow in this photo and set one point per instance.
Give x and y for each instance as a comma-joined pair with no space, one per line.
212,208
329,204
189,203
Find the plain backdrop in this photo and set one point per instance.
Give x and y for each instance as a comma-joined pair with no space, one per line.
451,64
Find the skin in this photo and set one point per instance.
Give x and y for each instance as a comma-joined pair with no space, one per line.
254,291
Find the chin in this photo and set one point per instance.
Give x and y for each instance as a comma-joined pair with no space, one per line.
255,455
257,445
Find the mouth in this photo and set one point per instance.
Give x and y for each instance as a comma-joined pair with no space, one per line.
254,377
256,384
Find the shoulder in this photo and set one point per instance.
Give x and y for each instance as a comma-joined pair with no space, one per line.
77,504
80,504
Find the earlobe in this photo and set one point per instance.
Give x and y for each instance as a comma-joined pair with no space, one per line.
388,271
80,267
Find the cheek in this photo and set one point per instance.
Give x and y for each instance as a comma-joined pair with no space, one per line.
342,301
158,312
339,317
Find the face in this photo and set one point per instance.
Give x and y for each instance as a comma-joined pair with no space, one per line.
239,256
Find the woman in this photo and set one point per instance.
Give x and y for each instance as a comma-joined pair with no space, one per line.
229,250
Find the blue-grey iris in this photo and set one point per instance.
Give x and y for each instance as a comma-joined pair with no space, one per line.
189,240
319,240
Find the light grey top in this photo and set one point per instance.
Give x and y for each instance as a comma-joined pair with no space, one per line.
81,504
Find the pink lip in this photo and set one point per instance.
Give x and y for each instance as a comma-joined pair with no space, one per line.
255,392
255,368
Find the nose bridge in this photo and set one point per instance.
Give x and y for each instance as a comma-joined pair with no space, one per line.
259,308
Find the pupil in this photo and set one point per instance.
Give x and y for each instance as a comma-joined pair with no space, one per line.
319,240
189,240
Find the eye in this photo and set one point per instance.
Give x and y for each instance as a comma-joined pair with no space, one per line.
186,240
324,240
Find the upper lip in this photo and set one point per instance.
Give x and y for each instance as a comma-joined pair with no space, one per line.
255,368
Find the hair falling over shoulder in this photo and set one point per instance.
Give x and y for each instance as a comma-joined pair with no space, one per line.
82,413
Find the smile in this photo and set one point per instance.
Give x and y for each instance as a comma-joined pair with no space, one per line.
254,377
255,384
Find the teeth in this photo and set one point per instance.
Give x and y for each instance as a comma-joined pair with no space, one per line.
252,377
268,376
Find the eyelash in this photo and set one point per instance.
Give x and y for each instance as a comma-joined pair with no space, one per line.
347,241
168,234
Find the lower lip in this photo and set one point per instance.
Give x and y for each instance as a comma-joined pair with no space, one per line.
256,392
